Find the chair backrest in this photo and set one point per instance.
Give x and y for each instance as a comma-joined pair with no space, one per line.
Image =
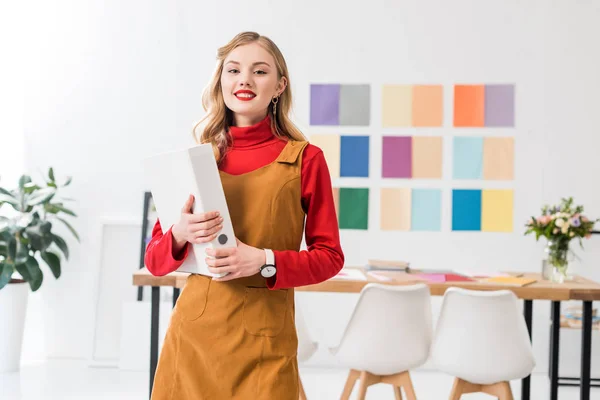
481,337
306,346
389,330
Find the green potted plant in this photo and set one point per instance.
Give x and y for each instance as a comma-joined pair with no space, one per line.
27,242
559,224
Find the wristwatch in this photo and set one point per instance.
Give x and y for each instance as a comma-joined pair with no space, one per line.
268,270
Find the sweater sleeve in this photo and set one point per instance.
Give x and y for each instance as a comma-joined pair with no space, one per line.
159,257
323,258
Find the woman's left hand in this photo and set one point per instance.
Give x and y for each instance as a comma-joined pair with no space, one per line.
240,261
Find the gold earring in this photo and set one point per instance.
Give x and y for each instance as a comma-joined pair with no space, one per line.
275,101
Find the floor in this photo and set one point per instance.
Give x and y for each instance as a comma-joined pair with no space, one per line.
71,380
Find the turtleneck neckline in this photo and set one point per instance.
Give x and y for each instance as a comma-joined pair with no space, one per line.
249,136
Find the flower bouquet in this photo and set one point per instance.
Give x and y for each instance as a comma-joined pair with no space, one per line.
560,224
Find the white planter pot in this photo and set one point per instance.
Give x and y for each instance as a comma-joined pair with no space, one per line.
13,305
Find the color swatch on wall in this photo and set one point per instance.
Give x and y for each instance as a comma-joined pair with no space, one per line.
342,105
418,157
490,158
352,206
484,105
410,209
488,210
346,156
412,105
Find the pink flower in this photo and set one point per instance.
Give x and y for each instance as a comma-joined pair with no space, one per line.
584,219
589,235
544,219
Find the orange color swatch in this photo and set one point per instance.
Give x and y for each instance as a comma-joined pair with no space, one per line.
427,157
498,158
395,209
469,105
427,108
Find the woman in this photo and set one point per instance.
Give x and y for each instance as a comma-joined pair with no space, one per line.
234,337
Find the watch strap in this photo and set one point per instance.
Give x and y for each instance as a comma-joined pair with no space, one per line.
270,257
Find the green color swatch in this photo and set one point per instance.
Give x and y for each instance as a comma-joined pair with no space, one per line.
354,208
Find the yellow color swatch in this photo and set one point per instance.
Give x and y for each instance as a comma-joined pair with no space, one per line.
498,158
395,209
330,144
427,157
427,109
397,105
497,210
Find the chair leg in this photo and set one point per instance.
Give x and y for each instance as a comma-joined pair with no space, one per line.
461,387
401,380
302,392
366,380
501,390
398,393
352,377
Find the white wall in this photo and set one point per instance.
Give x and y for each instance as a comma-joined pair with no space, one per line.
109,82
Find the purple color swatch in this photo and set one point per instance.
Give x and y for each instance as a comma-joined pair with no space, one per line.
397,157
324,104
499,105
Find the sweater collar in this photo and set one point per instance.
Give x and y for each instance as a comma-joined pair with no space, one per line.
248,136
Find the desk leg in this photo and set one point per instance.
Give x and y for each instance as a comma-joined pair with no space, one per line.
154,334
586,350
526,382
554,343
176,292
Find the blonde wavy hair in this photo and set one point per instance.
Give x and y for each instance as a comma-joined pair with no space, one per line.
219,118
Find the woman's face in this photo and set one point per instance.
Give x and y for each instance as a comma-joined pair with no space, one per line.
249,82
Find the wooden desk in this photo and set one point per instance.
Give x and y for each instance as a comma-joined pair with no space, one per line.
579,289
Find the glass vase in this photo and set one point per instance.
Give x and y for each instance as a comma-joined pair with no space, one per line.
555,266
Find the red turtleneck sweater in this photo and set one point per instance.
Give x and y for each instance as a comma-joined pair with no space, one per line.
253,147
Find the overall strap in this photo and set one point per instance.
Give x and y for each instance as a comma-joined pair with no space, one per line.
291,152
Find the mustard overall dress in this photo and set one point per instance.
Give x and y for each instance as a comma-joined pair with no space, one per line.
237,339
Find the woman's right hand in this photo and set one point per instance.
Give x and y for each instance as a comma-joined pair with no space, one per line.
196,228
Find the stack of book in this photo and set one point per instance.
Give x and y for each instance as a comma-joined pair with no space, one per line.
383,265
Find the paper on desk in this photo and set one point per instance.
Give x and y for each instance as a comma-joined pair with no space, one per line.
351,274
477,274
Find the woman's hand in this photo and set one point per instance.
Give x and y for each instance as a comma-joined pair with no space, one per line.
240,261
196,228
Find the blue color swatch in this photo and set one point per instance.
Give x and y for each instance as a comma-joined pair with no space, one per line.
426,210
468,158
355,156
466,210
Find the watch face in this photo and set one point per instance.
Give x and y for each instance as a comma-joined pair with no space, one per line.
268,271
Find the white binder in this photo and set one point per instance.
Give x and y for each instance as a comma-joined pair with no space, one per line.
173,176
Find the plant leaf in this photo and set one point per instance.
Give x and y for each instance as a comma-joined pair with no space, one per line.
53,262
22,269
51,174
4,191
22,252
73,231
35,237
12,248
6,271
45,227
41,196
7,198
62,245
65,210
35,272
68,181
25,179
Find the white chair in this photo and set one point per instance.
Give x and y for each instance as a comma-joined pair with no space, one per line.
388,334
306,347
481,339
